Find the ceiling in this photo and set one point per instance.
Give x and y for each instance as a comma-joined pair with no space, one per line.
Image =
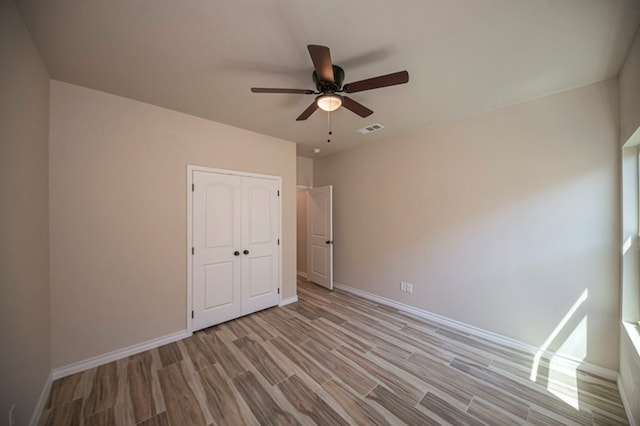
464,57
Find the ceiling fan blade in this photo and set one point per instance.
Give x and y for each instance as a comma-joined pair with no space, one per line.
307,112
321,57
400,77
295,91
356,107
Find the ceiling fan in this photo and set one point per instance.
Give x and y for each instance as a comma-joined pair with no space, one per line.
328,79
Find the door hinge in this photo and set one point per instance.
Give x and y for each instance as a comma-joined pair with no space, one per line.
191,314
278,241
193,187
193,250
278,290
278,193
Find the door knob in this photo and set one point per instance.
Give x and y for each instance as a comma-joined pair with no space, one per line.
246,252
236,253
329,242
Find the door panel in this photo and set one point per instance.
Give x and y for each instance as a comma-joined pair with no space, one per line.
320,236
260,276
218,288
260,267
319,255
219,215
259,207
216,235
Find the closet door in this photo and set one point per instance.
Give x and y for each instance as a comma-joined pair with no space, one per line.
236,265
216,239
260,233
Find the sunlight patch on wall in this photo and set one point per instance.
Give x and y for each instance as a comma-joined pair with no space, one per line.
627,244
563,374
561,325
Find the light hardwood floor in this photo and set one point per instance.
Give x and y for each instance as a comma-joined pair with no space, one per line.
332,359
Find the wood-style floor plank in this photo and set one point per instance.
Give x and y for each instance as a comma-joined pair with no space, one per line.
64,390
223,405
69,413
261,360
182,404
104,391
333,359
309,403
140,387
262,405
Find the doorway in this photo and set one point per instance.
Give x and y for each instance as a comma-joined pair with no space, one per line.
315,234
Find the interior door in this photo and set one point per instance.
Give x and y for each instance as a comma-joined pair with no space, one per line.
260,241
320,236
217,248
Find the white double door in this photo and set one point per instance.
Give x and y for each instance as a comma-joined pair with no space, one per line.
236,227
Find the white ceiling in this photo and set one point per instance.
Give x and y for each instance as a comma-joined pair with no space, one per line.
201,57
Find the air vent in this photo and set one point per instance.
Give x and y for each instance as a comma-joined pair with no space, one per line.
372,128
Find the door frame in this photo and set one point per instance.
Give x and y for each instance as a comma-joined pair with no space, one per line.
189,257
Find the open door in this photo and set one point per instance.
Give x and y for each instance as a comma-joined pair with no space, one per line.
320,236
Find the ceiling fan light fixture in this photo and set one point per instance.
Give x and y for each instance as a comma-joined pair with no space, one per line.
329,102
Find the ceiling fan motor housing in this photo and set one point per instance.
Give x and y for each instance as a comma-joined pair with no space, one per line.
328,86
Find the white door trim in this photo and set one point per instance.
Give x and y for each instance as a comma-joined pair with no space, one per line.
190,170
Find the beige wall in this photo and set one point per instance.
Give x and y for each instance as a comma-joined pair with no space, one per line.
304,178
629,89
24,219
501,221
304,171
118,214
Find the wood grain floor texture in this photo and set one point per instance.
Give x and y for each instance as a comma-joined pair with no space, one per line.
332,359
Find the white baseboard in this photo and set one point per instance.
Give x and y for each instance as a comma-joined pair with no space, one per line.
303,274
96,361
466,328
288,300
626,403
42,400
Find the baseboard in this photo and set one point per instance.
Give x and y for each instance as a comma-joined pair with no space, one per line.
303,274
96,361
288,300
626,403
478,332
42,400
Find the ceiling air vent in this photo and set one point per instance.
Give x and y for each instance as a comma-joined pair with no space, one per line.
372,128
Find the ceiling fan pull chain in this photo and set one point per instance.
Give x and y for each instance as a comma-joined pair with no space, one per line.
330,133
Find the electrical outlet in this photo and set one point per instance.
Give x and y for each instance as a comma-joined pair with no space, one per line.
11,420
403,286
409,288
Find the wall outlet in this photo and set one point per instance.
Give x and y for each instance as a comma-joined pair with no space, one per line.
406,287
11,419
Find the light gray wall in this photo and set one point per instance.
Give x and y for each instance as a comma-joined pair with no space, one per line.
24,219
501,221
119,215
629,88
